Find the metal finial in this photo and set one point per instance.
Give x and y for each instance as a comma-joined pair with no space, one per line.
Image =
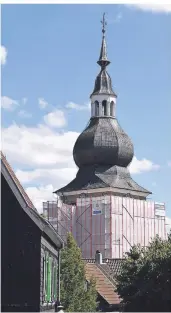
104,23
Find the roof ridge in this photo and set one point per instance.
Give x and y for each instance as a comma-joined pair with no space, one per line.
17,182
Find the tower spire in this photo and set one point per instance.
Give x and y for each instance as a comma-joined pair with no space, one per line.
103,61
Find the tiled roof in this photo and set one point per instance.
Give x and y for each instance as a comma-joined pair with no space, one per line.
104,286
110,268
115,265
112,265
16,182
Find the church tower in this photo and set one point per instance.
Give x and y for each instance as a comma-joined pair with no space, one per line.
103,151
103,207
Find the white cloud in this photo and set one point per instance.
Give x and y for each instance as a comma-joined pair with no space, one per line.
24,114
55,119
58,177
42,103
41,194
8,103
153,7
38,146
4,53
78,107
144,165
169,163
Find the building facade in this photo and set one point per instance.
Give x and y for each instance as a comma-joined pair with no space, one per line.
29,250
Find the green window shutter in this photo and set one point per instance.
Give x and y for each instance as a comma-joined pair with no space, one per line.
55,282
45,277
52,280
49,281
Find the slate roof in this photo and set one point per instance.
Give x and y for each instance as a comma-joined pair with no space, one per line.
103,142
45,227
103,84
90,177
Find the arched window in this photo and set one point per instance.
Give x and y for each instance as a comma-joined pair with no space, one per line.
96,103
111,108
104,107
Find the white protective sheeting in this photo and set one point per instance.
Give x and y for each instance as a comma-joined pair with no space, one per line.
110,224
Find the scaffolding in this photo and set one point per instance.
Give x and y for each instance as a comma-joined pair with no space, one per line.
108,223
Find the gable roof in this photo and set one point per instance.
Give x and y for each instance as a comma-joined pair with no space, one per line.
16,182
27,205
104,286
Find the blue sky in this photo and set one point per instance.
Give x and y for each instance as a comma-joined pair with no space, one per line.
51,54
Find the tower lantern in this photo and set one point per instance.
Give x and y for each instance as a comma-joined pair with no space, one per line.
103,98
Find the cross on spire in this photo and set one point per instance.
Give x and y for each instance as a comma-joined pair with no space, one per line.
103,60
104,23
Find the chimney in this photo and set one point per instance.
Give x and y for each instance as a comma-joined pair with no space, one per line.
98,257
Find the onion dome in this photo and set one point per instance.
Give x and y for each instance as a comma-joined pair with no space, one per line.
103,142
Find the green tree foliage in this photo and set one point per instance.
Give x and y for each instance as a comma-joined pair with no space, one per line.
145,280
76,295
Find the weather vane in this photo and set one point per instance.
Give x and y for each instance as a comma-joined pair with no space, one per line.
104,23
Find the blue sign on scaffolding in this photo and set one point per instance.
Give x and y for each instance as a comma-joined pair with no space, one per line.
96,212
